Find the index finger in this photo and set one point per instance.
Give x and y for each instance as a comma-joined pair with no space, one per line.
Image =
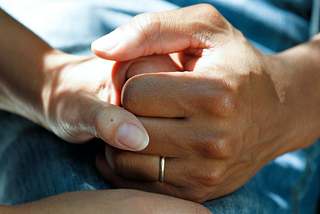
197,26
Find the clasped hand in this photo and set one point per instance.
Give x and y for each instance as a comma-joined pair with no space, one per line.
217,123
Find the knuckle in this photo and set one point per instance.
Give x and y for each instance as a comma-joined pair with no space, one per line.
214,143
218,23
213,178
146,20
196,195
218,100
210,178
208,9
224,104
146,25
220,148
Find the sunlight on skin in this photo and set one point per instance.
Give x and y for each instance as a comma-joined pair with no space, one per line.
236,109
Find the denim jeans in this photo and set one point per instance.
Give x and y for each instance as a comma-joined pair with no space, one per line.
35,164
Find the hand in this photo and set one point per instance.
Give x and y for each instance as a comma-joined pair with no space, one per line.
81,99
218,124
109,201
70,95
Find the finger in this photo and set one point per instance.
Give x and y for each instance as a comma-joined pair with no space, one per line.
195,27
120,128
188,138
168,137
90,117
152,64
155,187
174,94
157,95
130,165
142,167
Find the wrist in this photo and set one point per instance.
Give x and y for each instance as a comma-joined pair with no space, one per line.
24,66
296,74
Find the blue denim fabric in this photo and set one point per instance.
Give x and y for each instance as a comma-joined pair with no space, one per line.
35,164
315,18
71,25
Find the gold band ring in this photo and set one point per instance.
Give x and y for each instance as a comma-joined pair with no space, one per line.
161,170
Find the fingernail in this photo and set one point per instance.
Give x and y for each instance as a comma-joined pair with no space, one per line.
109,41
133,137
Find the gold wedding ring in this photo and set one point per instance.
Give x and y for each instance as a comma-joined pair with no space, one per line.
161,170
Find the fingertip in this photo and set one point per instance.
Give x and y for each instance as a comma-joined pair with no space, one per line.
99,53
121,53
108,42
132,136
104,54
120,128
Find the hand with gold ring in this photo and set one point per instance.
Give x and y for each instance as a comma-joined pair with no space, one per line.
217,124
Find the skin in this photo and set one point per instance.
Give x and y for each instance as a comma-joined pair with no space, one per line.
70,95
108,201
232,111
75,97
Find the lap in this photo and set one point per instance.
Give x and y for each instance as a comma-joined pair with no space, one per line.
36,164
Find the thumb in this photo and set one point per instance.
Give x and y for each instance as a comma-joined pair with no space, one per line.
92,117
194,27
119,128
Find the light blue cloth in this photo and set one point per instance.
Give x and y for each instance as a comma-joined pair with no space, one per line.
35,164
315,18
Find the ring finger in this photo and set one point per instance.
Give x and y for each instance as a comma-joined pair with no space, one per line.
147,168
